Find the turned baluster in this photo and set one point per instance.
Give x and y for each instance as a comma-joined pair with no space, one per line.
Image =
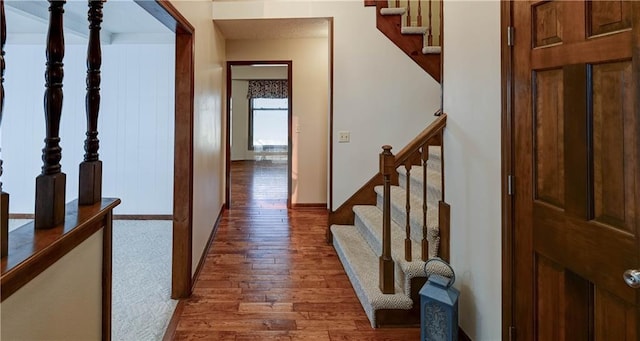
51,183
4,197
430,29
397,3
386,275
419,18
90,184
425,242
407,238
408,13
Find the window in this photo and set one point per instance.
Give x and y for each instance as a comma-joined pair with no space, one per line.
268,124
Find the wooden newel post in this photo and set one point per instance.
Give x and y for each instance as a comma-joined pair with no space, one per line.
90,183
386,275
50,185
4,199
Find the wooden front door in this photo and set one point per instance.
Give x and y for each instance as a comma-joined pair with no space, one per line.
577,171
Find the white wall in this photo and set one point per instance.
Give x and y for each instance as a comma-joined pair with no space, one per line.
64,302
135,126
208,134
472,169
380,95
239,120
309,104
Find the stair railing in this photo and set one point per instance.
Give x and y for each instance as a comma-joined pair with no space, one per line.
422,8
51,210
416,153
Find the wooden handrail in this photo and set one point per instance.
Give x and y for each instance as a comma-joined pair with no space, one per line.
416,152
343,215
431,134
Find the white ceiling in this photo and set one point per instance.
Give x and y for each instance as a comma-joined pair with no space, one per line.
274,28
123,22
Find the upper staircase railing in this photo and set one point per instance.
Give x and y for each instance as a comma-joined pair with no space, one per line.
422,14
416,153
414,26
56,222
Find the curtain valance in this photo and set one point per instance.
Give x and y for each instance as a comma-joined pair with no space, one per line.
268,89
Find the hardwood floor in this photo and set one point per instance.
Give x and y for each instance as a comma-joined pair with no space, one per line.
270,275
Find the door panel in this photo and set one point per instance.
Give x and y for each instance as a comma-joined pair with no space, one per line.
577,169
549,137
614,144
608,16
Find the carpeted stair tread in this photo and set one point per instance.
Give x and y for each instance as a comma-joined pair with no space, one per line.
432,50
414,30
393,11
398,210
361,265
369,223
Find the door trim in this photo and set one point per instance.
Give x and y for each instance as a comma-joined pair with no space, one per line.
227,177
507,153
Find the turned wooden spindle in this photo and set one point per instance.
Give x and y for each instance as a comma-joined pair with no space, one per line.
50,185
407,237
425,241
3,40
408,13
90,184
419,18
430,29
386,275
4,197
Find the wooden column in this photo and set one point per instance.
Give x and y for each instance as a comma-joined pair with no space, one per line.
90,184
386,275
4,199
51,183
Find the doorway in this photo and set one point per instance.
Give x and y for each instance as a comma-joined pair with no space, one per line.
259,129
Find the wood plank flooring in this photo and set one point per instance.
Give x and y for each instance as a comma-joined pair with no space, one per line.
270,275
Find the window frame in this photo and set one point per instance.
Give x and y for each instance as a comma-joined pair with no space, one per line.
252,108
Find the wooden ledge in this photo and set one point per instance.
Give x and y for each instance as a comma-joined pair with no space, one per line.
33,251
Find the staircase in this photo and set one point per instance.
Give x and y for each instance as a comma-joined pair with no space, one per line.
414,26
387,230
